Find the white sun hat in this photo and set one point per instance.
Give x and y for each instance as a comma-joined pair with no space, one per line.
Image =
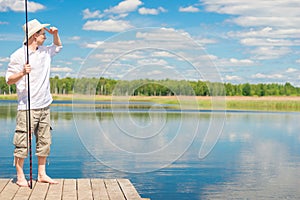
33,27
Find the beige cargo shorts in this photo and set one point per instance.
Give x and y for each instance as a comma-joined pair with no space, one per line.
40,126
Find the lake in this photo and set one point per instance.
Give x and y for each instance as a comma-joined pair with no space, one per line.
170,154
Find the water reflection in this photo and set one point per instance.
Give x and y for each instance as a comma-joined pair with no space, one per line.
126,141
268,163
256,157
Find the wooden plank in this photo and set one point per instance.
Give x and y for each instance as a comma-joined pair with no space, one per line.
9,190
24,192
113,189
84,189
69,189
3,183
55,190
128,190
39,191
99,189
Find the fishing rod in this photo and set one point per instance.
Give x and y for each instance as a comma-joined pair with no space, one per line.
28,116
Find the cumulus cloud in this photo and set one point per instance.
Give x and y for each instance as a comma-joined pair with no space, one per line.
269,42
152,61
258,12
111,18
61,69
291,70
166,34
87,14
267,32
266,53
151,11
242,61
271,28
232,78
191,9
18,6
75,38
109,25
232,62
6,59
125,6
267,76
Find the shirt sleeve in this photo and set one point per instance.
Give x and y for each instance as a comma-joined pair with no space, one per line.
15,65
53,49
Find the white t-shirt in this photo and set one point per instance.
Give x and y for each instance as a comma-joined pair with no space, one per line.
40,61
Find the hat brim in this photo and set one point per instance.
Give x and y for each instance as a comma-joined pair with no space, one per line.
33,31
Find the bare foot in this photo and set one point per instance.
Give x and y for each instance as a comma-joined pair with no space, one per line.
22,182
46,179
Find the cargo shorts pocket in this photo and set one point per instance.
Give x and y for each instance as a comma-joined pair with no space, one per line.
21,121
20,140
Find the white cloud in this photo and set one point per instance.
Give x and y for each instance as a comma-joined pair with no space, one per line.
6,59
269,42
274,25
153,61
87,14
18,6
241,62
92,45
154,72
105,58
267,76
298,61
258,12
109,25
280,22
77,59
232,62
189,9
265,53
267,32
166,34
125,6
232,78
151,11
116,12
162,54
75,38
291,70
203,41
61,69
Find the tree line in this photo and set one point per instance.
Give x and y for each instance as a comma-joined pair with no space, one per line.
167,87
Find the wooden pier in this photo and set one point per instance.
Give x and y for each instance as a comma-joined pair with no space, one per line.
71,189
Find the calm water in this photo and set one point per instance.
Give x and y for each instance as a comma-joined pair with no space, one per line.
256,157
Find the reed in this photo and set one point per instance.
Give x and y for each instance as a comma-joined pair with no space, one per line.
270,103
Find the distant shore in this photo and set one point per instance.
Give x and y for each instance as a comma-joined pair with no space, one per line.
266,103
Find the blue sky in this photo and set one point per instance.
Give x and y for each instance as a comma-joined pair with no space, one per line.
238,41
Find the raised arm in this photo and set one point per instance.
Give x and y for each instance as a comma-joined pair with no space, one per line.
56,39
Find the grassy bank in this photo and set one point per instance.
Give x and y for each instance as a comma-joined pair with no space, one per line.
270,103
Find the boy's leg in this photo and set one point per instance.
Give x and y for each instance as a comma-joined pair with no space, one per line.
43,142
21,180
42,176
20,151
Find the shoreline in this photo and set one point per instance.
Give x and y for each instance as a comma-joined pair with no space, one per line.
251,103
